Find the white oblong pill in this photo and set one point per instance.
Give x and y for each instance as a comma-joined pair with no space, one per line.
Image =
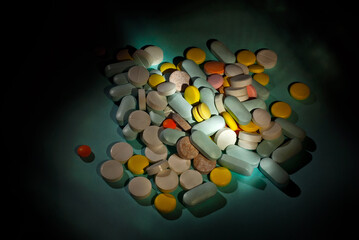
275,173
111,170
121,151
166,88
138,76
167,181
140,187
225,137
290,129
190,179
156,54
287,150
222,52
247,144
199,193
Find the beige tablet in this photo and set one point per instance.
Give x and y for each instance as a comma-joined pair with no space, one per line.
139,120
140,187
111,170
177,164
155,155
138,76
167,181
157,167
190,179
121,152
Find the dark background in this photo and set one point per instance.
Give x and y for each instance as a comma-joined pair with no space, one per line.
41,39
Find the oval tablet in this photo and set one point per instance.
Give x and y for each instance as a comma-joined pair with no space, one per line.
196,54
250,157
177,164
210,126
255,68
232,70
275,173
266,147
139,120
246,57
140,187
121,151
199,194
250,136
299,91
185,148
231,123
193,69
287,150
170,136
119,91
205,145
240,114
167,67
240,81
191,94
180,105
128,104
166,88
203,165
291,130
138,76
261,78
261,118
190,179
222,52
207,97
262,91
129,133
267,58
111,170
235,164
166,181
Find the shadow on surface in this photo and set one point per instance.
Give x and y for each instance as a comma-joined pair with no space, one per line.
297,162
209,206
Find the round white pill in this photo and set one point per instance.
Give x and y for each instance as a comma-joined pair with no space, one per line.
138,76
190,179
111,170
166,181
156,54
139,120
166,88
225,137
121,152
177,164
140,187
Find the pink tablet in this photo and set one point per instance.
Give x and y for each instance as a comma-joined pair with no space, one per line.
252,92
215,80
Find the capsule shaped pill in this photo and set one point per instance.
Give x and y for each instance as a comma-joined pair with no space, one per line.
127,105
193,69
237,110
291,130
287,150
222,52
170,136
119,67
119,91
199,194
181,106
262,91
275,173
236,165
266,147
205,145
250,157
210,126
207,97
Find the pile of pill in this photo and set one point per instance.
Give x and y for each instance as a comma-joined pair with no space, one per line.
212,112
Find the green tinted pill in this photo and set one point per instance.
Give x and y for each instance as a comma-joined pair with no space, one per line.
200,82
205,145
127,105
236,164
240,114
157,117
193,69
291,130
275,173
222,52
286,151
170,136
199,194
254,103
119,91
180,105
207,97
266,147
262,91
210,126
248,156
119,67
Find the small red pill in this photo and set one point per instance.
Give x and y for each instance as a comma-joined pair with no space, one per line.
169,123
84,151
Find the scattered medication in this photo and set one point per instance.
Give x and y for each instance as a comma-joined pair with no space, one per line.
111,170
84,151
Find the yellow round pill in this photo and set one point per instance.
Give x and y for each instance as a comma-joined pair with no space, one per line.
155,79
191,94
196,115
250,127
165,203
196,54
137,163
220,176
262,78
231,123
204,111
246,57
255,68
226,82
281,109
299,91
167,66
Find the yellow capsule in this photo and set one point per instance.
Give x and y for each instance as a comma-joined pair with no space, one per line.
231,123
